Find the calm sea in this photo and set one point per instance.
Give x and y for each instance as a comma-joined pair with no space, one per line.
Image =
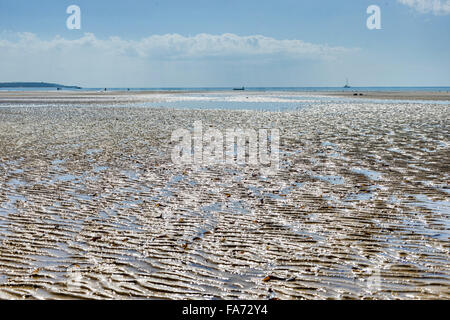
257,89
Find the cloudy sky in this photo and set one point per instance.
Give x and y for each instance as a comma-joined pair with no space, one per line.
213,43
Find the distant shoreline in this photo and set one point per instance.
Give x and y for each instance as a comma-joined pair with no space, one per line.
21,85
13,86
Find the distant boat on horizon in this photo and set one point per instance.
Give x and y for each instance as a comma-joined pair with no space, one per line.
346,84
243,88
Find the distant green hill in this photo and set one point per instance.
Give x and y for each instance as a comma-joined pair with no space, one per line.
34,85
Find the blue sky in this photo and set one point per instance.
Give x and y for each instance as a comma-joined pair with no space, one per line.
226,43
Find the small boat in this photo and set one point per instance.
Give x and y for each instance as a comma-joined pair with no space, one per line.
239,88
346,84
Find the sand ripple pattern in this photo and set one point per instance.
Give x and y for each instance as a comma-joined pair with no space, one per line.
92,207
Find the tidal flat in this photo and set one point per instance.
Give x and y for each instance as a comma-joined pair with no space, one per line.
92,207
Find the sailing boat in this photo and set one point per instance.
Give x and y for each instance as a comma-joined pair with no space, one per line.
346,83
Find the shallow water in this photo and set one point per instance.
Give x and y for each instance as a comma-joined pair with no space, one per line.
245,100
91,205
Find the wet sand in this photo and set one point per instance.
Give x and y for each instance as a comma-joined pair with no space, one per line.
91,205
108,97
391,95
80,97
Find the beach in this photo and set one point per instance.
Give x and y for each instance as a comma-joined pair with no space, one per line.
392,95
92,206
117,96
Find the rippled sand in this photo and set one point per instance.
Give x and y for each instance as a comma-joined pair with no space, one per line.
92,207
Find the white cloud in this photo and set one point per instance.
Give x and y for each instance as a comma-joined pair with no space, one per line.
175,46
437,7
162,60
